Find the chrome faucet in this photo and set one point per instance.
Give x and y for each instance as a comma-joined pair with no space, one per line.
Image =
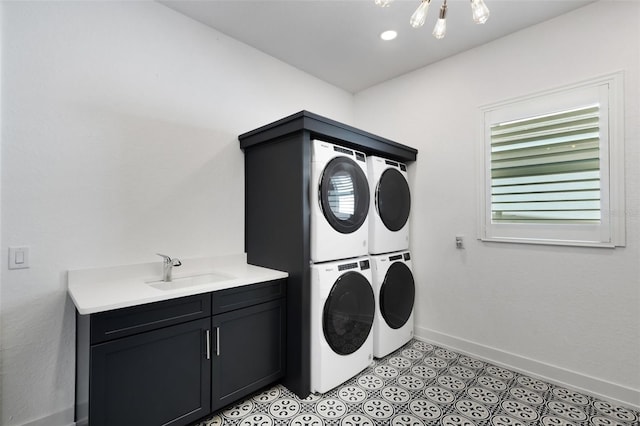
167,266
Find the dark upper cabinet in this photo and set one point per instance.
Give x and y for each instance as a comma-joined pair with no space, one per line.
331,131
277,210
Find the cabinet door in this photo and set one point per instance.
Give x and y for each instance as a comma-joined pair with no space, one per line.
249,351
160,377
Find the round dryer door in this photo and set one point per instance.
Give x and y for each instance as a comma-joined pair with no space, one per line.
397,294
344,195
348,313
393,199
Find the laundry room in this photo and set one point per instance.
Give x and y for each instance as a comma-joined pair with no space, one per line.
128,129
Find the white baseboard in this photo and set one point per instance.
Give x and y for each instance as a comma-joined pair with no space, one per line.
61,418
589,385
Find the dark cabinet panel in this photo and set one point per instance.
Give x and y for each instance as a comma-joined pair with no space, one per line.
248,351
161,377
277,236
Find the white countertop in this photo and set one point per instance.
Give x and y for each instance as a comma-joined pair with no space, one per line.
104,289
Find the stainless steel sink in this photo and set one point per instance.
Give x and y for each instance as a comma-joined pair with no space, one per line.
190,281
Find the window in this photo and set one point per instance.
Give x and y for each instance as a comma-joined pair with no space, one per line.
553,167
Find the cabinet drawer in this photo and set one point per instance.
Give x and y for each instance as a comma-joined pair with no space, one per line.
136,319
249,295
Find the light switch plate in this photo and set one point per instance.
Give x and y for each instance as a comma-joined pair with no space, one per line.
18,257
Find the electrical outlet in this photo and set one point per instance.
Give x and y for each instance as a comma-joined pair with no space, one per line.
459,242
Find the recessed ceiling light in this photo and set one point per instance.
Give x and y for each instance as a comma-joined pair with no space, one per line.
388,35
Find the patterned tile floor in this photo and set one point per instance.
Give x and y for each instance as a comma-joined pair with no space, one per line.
423,385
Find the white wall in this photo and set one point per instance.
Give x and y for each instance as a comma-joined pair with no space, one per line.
570,314
119,140
1,137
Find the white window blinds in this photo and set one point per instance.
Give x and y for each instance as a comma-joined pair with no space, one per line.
547,168
553,166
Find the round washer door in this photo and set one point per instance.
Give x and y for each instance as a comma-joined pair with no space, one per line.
397,294
393,199
344,195
348,313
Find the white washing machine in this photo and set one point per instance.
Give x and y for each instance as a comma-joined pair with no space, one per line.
339,193
390,205
394,290
342,315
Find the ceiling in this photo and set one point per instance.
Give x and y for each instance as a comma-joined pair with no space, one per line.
338,40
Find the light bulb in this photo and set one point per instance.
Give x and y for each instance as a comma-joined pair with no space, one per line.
419,16
441,26
383,3
440,29
480,11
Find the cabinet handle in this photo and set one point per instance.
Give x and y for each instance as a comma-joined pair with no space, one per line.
217,341
208,343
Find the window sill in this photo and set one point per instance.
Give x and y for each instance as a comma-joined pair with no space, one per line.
568,243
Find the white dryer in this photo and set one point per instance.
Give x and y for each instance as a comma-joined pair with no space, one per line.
339,193
342,315
390,205
394,290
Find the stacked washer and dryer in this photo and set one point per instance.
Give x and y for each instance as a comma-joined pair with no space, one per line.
358,302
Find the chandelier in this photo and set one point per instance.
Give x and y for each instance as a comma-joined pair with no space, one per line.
479,10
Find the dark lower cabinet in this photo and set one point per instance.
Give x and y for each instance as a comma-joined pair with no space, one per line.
248,352
174,362
161,377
